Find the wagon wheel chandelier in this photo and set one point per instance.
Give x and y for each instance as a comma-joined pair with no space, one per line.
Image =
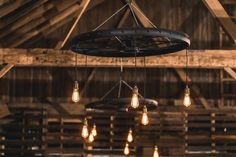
124,42
128,42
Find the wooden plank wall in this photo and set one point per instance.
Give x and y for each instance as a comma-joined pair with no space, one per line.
177,132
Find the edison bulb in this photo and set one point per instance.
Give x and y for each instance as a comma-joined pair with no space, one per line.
134,100
145,119
130,136
94,130
91,138
75,94
126,150
187,99
155,153
85,133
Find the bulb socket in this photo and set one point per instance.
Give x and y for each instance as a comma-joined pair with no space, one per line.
76,85
135,90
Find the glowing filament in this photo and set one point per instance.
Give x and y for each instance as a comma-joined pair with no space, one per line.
94,130
155,153
75,95
85,133
187,99
145,119
130,136
126,150
134,100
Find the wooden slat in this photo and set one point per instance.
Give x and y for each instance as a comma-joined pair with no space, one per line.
218,11
50,57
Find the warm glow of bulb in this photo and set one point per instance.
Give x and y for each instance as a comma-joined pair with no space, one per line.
126,150
134,100
145,119
94,130
155,153
75,95
91,138
187,99
130,136
85,133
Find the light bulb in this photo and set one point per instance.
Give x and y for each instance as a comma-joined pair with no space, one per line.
187,99
126,150
130,136
75,94
145,119
155,153
85,133
134,100
94,130
91,138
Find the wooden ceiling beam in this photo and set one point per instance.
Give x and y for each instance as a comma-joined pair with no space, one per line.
70,18
21,22
56,19
12,6
7,21
218,11
211,59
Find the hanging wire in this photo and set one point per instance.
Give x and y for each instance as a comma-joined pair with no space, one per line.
145,77
149,21
135,61
86,73
119,10
186,68
133,14
76,67
120,81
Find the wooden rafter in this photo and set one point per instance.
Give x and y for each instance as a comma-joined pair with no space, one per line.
25,11
146,23
12,6
5,69
84,4
218,11
56,21
50,57
64,14
231,72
